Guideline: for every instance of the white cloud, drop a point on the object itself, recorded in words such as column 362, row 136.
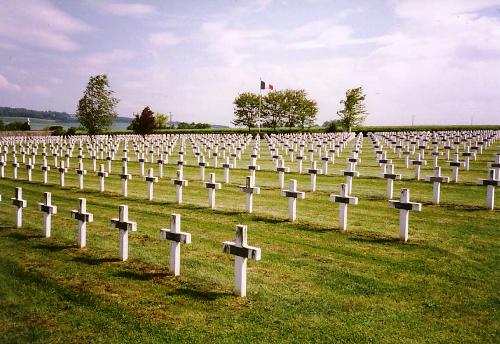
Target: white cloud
column 102, row 62
column 38, row 23
column 127, row 9
column 5, row 85
column 164, row 39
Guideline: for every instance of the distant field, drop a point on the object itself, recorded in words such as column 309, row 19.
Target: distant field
column 38, row 123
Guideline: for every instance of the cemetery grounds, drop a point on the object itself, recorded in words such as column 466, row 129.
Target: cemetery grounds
column 313, row 284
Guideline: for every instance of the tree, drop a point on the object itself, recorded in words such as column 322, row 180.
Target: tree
column 331, row 126
column 162, row 120
column 354, row 112
column 298, row 109
column 246, row 110
column 273, row 109
column 144, row 123
column 96, row 109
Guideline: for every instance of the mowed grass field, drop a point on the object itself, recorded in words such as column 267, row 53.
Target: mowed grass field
column 313, row 284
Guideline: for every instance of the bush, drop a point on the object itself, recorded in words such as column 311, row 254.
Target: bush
column 71, row 131
column 57, row 130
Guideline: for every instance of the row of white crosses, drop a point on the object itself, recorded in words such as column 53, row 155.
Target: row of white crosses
column 239, row 248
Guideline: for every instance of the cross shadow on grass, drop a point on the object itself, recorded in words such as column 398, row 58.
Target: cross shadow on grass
column 198, row 294
column 140, row 275
column 22, row 236
column 375, row 238
column 53, row 247
column 94, row 261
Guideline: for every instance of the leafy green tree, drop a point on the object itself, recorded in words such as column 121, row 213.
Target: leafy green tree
column 273, row 109
column 246, row 110
column 144, row 123
column 2, row 125
column 162, row 121
column 331, row 126
column 298, row 109
column 96, row 109
column 354, row 112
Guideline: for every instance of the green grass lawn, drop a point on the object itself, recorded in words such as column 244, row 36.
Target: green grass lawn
column 313, row 284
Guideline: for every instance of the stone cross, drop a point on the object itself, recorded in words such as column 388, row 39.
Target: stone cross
column 390, row 176
column 496, row 163
column 253, row 167
column 179, row 183
column 405, row 206
column 48, row 210
column 160, row 162
column 15, row 165
column 202, row 165
column 211, row 186
column 491, row 182
column 151, row 179
column 29, row 168
column 344, row 200
column 250, row 189
column 313, row 171
column 349, row 174
column 176, row 237
column 45, row 170
column 437, row 179
column 467, row 155
column 2, row 167
column 62, row 170
column 102, row 175
column 455, row 164
column 242, row 251
column 299, row 159
column 281, row 173
column 20, row 203
column 226, row 165
column 125, row 177
column 141, row 164
column 292, row 194
column 418, row 164
column 81, row 172
column 83, row 217
column 124, row 225
column 325, row 160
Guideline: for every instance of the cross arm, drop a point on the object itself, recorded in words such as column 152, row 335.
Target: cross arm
column 182, row 237
column 405, row 206
column 127, row 225
column 244, row 252
column 344, row 199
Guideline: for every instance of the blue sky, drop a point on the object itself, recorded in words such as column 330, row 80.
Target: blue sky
column 436, row 61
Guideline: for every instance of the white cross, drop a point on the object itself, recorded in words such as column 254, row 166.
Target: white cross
column 405, row 206
column 455, row 164
column 83, row 217
column 292, row 194
column 62, row 170
column 2, row 167
column 102, row 175
column 349, row 174
column 160, row 162
column 48, row 210
column 141, row 164
column 250, row 189
column 176, row 237
column 418, row 163
column 253, row 166
column 20, row 203
column 151, row 179
column 15, row 165
column 125, row 177
column 81, row 172
column 242, row 251
column 211, row 186
column 124, row 225
column 226, row 165
column 344, row 199
column 202, row 165
column 390, row 176
column 281, row 173
column 179, row 183
column 325, row 160
column 45, row 170
column 437, row 179
column 29, row 168
column 491, row 182
column 313, row 171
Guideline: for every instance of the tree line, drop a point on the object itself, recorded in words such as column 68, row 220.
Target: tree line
column 286, row 108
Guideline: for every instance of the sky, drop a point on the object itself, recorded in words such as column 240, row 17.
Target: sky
column 426, row 62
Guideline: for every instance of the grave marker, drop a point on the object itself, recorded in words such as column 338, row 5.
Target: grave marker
column 83, row 217
column 124, row 225
column 344, row 200
column 176, row 237
column 405, row 206
column 48, row 210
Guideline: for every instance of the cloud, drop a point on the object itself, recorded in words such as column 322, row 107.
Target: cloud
column 5, row 85
column 38, row 23
column 163, row 39
column 103, row 61
column 127, row 9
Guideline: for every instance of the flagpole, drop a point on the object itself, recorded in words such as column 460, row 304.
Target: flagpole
column 260, row 103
